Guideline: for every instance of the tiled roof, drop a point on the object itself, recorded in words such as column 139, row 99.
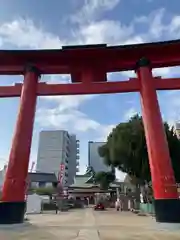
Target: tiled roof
column 80, row 179
column 83, row 181
column 82, row 185
column 127, row 179
column 42, row 177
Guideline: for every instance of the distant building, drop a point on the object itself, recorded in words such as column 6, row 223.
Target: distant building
column 42, row 180
column 177, row 129
column 2, row 176
column 73, row 162
column 58, row 152
column 94, row 159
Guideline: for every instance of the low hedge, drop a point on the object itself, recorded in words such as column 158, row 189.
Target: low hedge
column 48, row 206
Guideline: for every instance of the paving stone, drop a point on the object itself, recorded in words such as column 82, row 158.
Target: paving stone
column 87, row 224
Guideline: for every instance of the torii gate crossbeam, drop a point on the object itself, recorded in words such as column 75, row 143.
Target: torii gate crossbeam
column 132, row 85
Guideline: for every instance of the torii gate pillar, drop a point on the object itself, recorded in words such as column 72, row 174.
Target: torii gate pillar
column 12, row 205
column 167, row 204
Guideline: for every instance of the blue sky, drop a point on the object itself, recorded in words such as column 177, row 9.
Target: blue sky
column 50, row 24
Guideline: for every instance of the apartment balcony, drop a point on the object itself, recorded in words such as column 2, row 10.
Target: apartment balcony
column 77, row 169
column 77, row 157
column 77, row 163
column 77, row 151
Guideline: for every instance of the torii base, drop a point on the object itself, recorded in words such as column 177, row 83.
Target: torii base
column 12, row 212
column 167, row 210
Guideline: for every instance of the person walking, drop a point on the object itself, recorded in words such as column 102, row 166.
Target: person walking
column 117, row 204
column 57, row 208
column 121, row 204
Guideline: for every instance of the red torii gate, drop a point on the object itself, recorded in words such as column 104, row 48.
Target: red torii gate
column 88, row 66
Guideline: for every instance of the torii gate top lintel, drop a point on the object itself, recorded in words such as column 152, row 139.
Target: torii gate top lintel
column 88, row 66
column 107, row 58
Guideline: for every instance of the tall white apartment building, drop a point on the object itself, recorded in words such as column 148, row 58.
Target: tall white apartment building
column 58, row 152
column 177, row 129
column 2, row 176
column 94, row 159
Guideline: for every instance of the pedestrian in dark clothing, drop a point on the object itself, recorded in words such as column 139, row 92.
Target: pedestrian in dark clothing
column 57, row 208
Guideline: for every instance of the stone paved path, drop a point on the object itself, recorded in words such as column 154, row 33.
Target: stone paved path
column 87, row 224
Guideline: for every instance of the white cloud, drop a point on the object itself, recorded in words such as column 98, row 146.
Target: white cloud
column 130, row 113
column 104, row 131
column 92, row 9
column 71, row 119
column 170, row 104
column 3, row 161
column 56, row 78
column 157, row 28
column 68, row 102
column 175, row 23
column 105, row 31
column 24, row 34
column 154, row 20
column 133, row 39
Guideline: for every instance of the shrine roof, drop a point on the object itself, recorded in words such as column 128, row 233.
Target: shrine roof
column 42, row 177
column 82, row 185
column 80, row 180
column 106, row 58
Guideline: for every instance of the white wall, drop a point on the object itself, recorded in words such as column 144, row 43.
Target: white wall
column 33, row 204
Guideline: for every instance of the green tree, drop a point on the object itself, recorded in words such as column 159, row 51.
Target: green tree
column 104, row 179
column 126, row 149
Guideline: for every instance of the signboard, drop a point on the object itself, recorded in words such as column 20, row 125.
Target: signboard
column 61, row 173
